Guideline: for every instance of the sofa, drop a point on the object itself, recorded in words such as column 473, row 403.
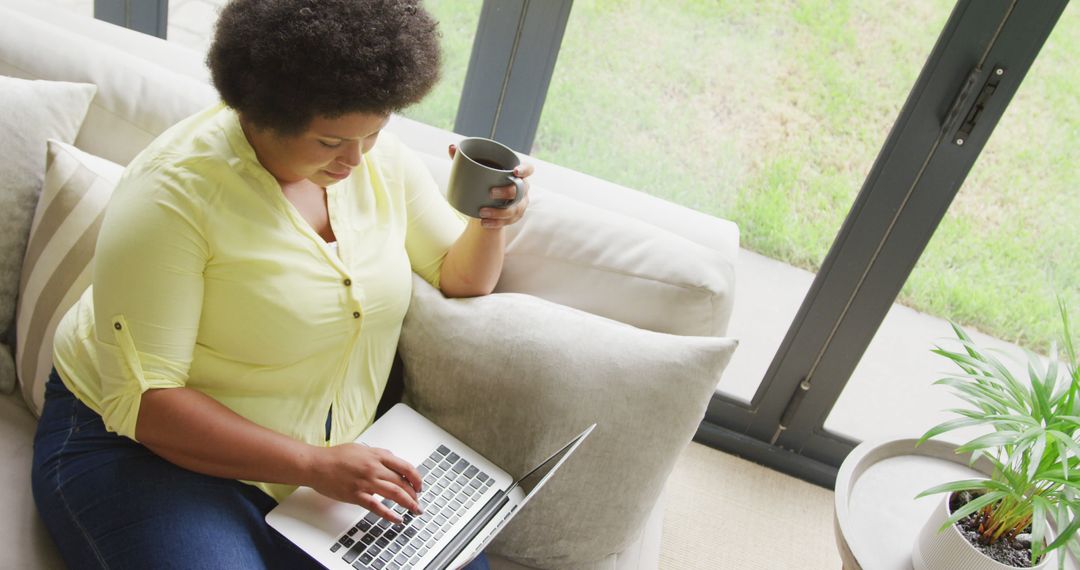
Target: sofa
column 593, row 266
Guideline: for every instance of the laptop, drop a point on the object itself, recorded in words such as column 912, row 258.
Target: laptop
column 466, row 500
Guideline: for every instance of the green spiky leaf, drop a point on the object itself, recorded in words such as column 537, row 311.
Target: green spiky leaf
column 1030, row 430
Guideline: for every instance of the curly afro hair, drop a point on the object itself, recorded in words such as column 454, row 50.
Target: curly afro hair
column 281, row 63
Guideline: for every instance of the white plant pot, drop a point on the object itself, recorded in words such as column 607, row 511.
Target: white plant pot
column 949, row 550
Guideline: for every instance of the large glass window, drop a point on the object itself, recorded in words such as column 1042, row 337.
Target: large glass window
column 1006, row 248
column 769, row 114
column 457, row 26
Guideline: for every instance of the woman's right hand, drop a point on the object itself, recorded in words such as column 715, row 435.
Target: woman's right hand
column 217, row 441
column 354, row 473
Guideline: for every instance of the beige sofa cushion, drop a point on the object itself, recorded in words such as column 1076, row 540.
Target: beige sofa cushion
column 515, row 376
column 33, row 112
column 26, row 542
column 145, row 84
column 58, row 267
column 611, row 265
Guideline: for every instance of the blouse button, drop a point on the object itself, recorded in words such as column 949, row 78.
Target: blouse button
column 348, row 282
column 356, row 314
column 117, row 326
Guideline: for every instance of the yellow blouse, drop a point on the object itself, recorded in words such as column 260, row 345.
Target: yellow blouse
column 207, row 277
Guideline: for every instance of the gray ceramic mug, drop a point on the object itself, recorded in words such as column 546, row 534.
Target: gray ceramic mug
column 479, row 165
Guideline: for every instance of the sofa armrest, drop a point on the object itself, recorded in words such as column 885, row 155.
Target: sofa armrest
column 27, row 542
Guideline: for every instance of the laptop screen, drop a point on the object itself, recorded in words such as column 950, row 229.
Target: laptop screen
column 536, row 477
column 529, row 483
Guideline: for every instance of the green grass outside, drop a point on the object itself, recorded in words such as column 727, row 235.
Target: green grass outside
column 771, row 113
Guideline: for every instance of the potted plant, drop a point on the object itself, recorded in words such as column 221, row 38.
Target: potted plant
column 1031, row 503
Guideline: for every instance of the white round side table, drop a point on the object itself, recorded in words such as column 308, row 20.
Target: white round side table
column 876, row 513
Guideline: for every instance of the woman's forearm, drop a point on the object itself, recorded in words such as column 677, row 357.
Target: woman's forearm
column 196, row 432
column 473, row 264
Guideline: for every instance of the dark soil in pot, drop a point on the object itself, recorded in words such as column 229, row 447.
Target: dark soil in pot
column 1012, row 551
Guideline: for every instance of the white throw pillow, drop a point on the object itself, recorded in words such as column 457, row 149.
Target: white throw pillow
column 33, row 112
column 59, row 257
column 614, row 266
column 515, row 377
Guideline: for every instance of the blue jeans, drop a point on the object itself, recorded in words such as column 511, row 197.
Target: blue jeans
column 110, row 502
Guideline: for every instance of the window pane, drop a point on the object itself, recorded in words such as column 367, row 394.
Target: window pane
column 457, row 24
column 769, row 114
column 1006, row 248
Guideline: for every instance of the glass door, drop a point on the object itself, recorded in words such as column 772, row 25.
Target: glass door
column 1003, row 253
column 457, row 30
column 754, row 112
column 982, row 55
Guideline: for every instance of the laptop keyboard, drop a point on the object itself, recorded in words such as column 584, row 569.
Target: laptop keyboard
column 451, row 485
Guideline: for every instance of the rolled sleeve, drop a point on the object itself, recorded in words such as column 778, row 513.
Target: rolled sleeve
column 148, row 294
column 433, row 225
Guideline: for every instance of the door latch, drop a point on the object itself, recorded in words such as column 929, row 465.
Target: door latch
column 976, row 111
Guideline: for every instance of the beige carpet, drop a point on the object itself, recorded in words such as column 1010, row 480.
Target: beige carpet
column 724, row 512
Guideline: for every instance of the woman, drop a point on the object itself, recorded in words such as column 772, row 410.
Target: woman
column 251, row 276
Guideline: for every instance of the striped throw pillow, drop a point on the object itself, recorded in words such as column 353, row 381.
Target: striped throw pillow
column 57, row 267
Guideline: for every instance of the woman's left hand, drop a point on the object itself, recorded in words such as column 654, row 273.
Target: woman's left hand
column 495, row 218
